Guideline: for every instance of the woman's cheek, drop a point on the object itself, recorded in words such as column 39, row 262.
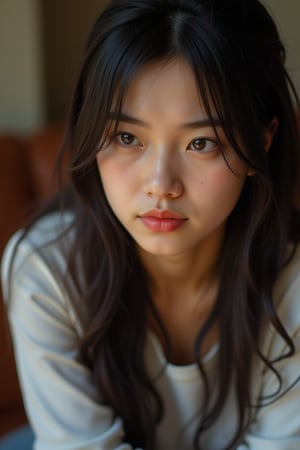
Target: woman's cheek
column 224, row 185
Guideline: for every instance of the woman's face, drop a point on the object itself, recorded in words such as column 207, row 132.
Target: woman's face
column 163, row 171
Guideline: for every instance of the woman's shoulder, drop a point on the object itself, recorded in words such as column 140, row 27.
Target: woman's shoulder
column 50, row 228
column 45, row 243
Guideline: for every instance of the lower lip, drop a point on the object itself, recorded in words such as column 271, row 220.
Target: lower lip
column 162, row 225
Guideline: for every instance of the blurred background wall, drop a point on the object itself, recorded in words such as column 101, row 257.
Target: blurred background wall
column 22, row 105
column 41, row 43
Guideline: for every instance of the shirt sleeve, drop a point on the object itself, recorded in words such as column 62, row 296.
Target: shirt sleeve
column 63, row 405
column 276, row 423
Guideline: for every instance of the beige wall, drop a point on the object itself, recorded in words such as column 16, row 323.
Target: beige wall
column 41, row 43
column 21, row 90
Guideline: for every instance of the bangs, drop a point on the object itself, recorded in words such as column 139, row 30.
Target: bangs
column 212, row 81
column 116, row 56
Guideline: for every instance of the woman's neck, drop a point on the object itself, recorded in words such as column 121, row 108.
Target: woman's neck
column 184, row 289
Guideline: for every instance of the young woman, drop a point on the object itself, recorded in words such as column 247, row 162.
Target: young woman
column 159, row 308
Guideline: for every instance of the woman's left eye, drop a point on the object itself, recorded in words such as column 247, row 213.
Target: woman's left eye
column 203, row 145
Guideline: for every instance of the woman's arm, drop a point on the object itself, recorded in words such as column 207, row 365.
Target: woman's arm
column 62, row 402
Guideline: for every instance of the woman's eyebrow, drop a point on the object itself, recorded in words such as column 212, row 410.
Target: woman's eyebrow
column 122, row 117
column 214, row 122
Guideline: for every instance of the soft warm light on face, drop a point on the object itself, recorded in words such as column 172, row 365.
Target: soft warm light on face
column 165, row 156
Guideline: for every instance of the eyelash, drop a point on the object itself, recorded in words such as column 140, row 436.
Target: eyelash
column 214, row 144
column 121, row 134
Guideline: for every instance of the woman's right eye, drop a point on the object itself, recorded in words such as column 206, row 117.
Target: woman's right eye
column 127, row 140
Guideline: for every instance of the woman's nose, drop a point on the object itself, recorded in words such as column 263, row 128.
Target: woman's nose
column 162, row 177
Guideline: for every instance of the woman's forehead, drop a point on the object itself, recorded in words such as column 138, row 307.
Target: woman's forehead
column 169, row 85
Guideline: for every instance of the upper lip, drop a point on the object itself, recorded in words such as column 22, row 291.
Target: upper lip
column 162, row 214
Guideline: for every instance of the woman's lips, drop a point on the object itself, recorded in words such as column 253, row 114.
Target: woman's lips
column 162, row 221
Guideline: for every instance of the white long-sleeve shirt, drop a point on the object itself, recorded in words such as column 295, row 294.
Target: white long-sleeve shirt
column 63, row 404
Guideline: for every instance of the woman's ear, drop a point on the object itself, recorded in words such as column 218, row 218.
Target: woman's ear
column 269, row 133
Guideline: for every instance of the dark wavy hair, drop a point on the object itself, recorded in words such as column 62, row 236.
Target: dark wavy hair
column 235, row 52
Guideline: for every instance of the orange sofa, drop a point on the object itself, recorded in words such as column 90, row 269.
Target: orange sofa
column 26, row 181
